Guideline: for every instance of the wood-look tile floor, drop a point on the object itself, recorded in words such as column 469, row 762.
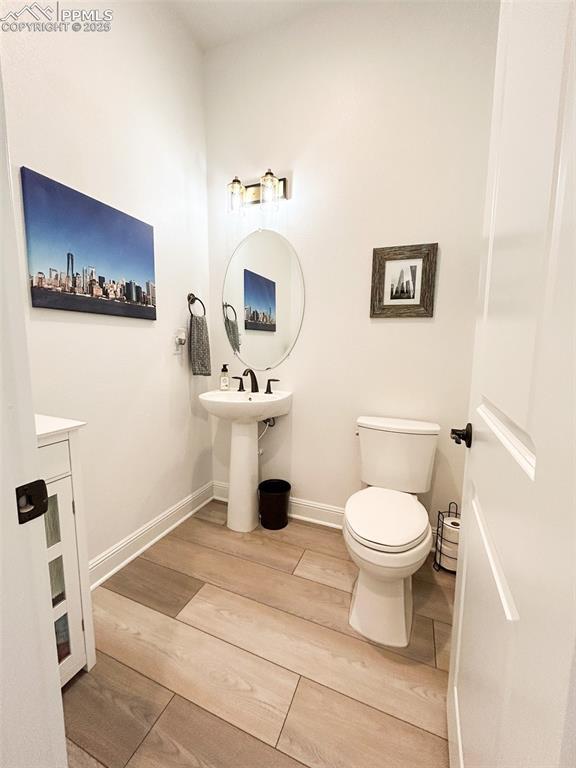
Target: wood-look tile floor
column 219, row 649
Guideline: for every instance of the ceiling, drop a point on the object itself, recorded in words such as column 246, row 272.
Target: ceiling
column 217, row 22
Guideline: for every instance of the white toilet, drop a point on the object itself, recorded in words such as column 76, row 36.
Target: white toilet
column 386, row 529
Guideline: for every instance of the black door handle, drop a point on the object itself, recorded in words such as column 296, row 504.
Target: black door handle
column 462, row 435
column 32, row 501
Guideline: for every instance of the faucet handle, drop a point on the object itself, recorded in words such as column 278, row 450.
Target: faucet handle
column 241, row 383
column 269, row 386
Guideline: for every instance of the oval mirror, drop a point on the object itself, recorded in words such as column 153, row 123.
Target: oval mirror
column 263, row 299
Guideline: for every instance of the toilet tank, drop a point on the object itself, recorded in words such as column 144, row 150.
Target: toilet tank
column 397, row 453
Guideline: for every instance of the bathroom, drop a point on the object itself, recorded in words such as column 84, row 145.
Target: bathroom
column 205, row 637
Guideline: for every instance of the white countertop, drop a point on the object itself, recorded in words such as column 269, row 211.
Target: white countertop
column 47, row 426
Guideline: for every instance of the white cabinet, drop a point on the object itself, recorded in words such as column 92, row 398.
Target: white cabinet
column 66, row 555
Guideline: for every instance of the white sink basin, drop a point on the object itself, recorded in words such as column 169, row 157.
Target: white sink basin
column 244, row 410
column 246, row 407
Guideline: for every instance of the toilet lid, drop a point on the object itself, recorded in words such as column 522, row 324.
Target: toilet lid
column 390, row 521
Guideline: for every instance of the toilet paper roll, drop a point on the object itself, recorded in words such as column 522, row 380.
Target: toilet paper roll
column 451, row 529
column 447, row 563
column 450, row 549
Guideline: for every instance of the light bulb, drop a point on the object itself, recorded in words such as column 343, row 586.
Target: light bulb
column 235, row 195
column 269, row 190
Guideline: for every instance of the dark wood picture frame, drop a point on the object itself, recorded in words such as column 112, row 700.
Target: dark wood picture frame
column 382, row 256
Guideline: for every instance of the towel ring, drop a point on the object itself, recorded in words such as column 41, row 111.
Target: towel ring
column 191, row 300
column 227, row 306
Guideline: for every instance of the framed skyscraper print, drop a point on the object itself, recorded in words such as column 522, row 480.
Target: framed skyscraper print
column 403, row 280
column 86, row 256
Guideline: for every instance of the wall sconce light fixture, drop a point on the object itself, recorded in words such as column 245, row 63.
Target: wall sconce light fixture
column 236, row 192
column 268, row 191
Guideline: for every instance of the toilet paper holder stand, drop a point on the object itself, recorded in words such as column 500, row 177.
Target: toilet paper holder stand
column 440, row 553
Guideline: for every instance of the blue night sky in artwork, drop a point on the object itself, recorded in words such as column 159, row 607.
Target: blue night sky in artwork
column 60, row 220
column 259, row 292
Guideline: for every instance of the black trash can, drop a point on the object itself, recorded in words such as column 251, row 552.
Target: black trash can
column 273, row 498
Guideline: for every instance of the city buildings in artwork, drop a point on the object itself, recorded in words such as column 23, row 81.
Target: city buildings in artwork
column 256, row 316
column 405, row 287
column 87, row 282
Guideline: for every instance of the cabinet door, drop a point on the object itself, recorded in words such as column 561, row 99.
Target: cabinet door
column 62, row 557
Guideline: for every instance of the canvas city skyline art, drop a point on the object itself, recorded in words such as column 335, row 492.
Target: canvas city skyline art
column 84, row 255
column 259, row 302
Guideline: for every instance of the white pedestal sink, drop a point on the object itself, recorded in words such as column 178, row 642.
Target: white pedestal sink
column 244, row 410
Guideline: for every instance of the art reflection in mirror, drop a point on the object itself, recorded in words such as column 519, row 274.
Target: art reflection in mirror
column 263, row 299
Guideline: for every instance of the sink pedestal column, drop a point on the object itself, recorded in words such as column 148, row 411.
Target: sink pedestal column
column 243, row 489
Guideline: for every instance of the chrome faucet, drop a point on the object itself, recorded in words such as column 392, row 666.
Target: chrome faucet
column 253, row 379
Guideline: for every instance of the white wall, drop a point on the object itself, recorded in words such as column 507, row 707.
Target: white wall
column 119, row 116
column 380, row 113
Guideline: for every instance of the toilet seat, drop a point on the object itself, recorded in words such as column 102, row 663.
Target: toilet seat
column 386, row 520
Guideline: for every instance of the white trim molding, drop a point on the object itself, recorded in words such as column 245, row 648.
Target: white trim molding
column 455, row 732
column 120, row 554
column 315, row 512
column 220, row 491
column 117, row 556
column 300, row 509
column 518, row 445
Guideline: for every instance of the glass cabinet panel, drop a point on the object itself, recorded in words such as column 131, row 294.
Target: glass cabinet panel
column 62, row 637
column 52, row 522
column 56, row 567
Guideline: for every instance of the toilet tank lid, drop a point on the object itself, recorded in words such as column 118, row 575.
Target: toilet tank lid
column 407, row 426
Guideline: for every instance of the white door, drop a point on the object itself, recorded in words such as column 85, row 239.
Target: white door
column 31, row 720
column 514, row 632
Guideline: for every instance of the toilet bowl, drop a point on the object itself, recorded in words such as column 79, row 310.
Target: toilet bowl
column 386, row 529
column 388, row 536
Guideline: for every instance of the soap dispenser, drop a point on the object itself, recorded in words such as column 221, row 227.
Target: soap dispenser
column 224, row 378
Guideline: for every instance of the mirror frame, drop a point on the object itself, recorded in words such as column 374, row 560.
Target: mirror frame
column 222, row 302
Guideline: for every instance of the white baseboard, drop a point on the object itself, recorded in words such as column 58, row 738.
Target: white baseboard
column 107, row 563
column 300, row 509
column 220, row 491
column 315, row 512
column 117, row 556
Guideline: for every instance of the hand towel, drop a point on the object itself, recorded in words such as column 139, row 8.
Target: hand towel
column 231, row 326
column 199, row 346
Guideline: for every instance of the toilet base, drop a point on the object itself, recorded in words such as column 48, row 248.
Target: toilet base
column 381, row 610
